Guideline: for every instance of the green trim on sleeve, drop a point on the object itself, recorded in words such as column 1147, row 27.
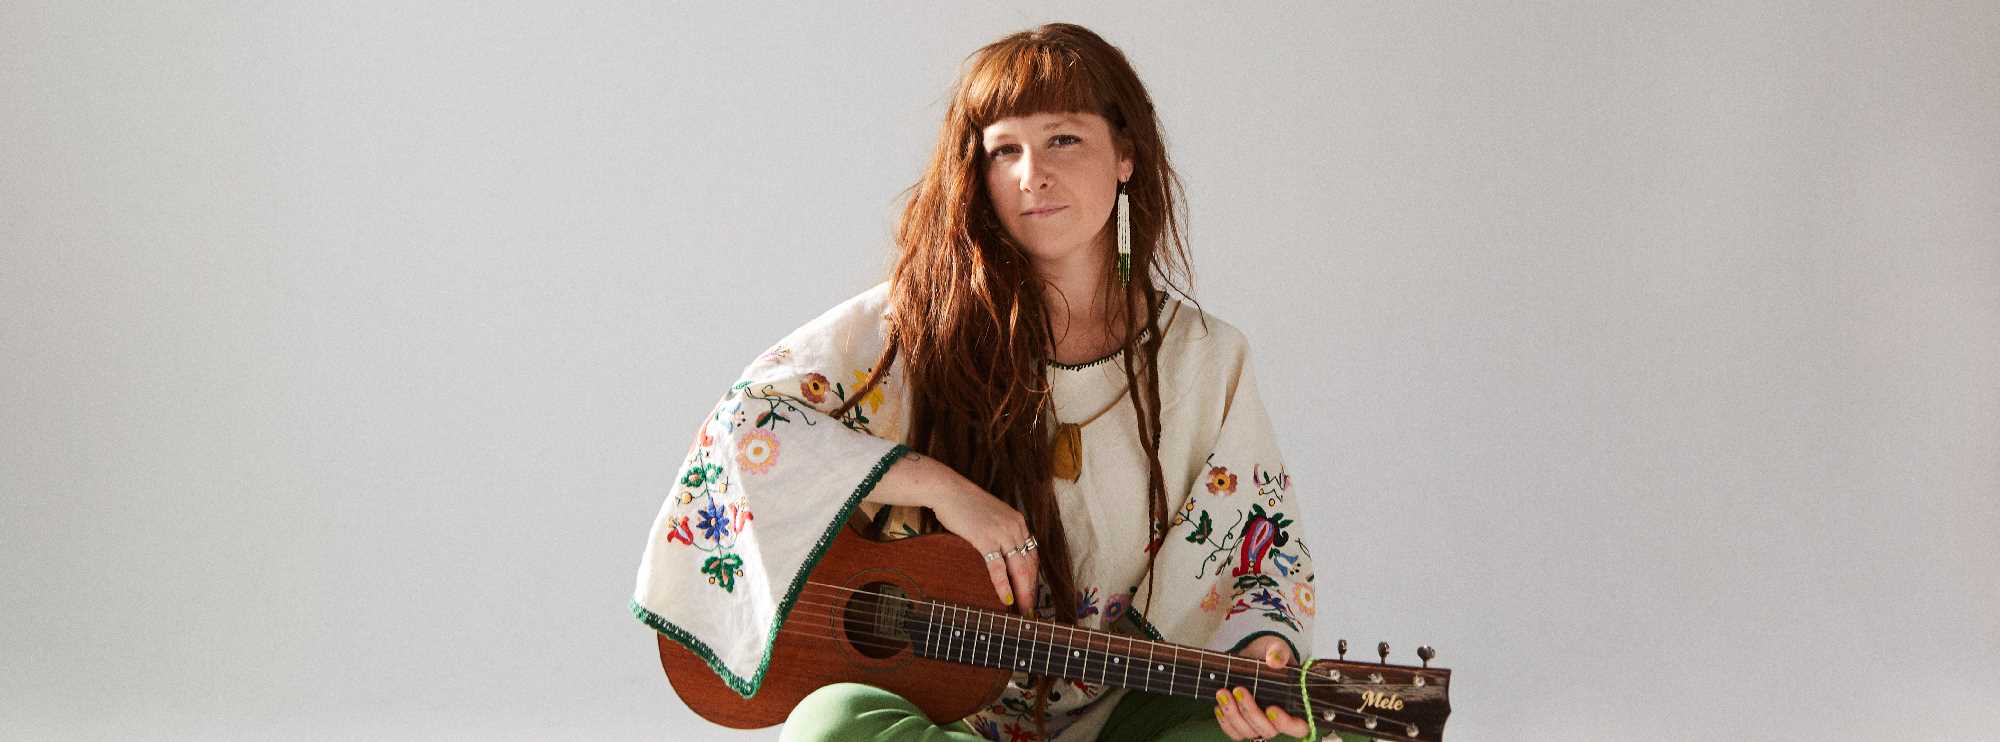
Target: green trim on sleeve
column 748, row 688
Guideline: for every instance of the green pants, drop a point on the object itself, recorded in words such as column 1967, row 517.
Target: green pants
column 852, row 711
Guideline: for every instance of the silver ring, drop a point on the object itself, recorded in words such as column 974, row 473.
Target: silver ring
column 992, row 555
column 1030, row 545
column 1018, row 550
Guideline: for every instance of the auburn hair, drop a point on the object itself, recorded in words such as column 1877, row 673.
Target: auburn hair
column 969, row 316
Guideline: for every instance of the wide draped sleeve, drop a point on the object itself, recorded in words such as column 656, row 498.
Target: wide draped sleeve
column 1233, row 565
column 767, row 480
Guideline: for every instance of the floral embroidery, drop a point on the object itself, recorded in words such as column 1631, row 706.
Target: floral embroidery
column 723, row 570
column 713, row 522
column 874, row 397
column 987, row 728
column 1086, row 602
column 1221, row 482
column 1018, row 733
column 1240, row 553
column 1260, row 534
column 814, row 388
column 757, row 451
column 1115, row 606
column 1211, row 600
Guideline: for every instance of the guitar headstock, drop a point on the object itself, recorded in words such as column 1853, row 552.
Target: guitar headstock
column 1378, row 699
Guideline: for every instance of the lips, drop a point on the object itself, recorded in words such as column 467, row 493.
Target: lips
column 1044, row 211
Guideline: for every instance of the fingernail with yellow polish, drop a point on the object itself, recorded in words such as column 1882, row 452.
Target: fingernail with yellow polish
column 1007, row 597
column 1222, row 696
column 1242, row 694
column 1272, row 713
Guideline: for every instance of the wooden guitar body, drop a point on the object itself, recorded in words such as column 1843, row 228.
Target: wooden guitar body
column 827, row 638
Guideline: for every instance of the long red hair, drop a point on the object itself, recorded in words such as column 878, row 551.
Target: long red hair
column 968, row 314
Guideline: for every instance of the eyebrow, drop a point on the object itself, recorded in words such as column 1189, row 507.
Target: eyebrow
column 1053, row 125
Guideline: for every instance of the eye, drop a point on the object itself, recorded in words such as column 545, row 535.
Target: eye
column 1061, row 137
column 1008, row 149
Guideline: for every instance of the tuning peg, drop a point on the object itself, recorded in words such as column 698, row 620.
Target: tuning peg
column 1383, row 649
column 1427, row 654
column 1343, row 650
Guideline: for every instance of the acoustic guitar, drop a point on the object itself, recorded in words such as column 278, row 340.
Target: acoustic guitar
column 918, row 617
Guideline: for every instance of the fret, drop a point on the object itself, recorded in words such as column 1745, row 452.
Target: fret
column 1104, row 660
column 1197, row 674
column 1049, row 659
column 1083, row 675
column 1149, row 667
column 963, row 637
column 930, row 634
column 1127, row 682
column 1014, row 643
column 985, row 649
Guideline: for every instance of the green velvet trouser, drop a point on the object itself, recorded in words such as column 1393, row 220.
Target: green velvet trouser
column 852, row 711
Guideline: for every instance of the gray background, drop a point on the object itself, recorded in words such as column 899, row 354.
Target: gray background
column 1640, row 358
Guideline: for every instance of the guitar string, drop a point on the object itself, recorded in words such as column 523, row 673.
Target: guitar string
column 836, row 611
column 1227, row 659
column 836, row 636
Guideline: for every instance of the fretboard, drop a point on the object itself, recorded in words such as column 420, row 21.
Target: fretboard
column 955, row 634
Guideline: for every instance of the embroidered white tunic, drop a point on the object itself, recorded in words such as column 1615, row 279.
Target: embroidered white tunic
column 770, row 475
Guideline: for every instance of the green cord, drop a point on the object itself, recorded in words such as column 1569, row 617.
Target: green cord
column 1305, row 697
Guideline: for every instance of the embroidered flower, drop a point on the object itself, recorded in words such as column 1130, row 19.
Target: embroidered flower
column 713, row 522
column 814, row 388
column 1114, row 608
column 722, row 571
column 1086, row 602
column 1302, row 596
column 757, row 451
column 874, row 396
column 1210, row 601
column 699, row 475
column 1221, row 482
column 678, row 531
column 1018, row 733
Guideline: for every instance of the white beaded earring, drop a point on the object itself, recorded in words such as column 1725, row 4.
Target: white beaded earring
column 1124, row 237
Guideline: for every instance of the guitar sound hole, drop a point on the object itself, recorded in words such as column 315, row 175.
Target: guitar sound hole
column 873, row 620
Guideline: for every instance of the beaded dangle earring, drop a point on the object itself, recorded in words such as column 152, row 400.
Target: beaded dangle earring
column 1124, row 237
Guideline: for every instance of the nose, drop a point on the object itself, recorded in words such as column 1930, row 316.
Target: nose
column 1033, row 176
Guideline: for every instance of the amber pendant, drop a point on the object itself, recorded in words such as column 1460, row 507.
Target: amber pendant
column 1066, row 456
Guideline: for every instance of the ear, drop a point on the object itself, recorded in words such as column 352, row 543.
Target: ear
column 1125, row 161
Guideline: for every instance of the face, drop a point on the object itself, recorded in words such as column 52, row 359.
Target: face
column 1053, row 178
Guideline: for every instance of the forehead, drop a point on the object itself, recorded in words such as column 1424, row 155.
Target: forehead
column 1037, row 122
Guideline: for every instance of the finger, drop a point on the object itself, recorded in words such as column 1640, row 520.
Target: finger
column 1278, row 655
column 997, row 569
column 1226, row 715
column 1287, row 723
column 1021, row 567
column 1253, row 715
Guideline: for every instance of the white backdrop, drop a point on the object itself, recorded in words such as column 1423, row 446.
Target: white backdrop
column 1640, row 357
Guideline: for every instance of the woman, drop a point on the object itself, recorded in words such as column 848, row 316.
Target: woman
column 1022, row 382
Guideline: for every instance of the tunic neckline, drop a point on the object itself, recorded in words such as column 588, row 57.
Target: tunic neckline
column 1144, row 333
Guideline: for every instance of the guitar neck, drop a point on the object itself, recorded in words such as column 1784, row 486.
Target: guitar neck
column 985, row 639
column 1378, row 700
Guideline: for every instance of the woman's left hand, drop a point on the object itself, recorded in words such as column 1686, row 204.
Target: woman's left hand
column 1238, row 712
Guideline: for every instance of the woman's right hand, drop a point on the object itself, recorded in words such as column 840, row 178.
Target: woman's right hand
column 973, row 514
column 993, row 527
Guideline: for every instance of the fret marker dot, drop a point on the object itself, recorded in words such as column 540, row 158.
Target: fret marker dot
column 954, row 633
column 1161, row 667
column 1114, row 660
column 1074, row 653
column 1211, row 676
